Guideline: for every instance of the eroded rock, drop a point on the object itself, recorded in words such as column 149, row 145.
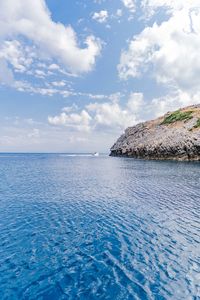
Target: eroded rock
column 174, row 136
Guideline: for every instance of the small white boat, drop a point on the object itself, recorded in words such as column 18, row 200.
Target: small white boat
column 96, row 154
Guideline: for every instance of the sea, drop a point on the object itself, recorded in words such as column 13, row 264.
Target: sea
column 80, row 227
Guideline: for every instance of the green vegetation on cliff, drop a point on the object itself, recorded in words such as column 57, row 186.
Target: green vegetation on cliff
column 177, row 116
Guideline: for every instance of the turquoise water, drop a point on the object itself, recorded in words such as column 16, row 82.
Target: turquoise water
column 98, row 228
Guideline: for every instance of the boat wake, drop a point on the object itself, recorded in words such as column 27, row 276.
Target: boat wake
column 96, row 154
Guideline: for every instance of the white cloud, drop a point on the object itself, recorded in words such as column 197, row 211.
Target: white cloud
column 61, row 83
column 16, row 55
column 100, row 16
column 117, row 117
column 170, row 102
column 40, row 74
column 135, row 102
column 68, row 109
column 54, row 67
column 77, row 121
column 169, row 51
column 62, row 87
column 23, row 86
column 130, row 4
column 32, row 20
column 110, row 115
column 150, row 7
column 98, row 116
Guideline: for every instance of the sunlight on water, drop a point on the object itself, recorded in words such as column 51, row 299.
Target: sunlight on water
column 98, row 228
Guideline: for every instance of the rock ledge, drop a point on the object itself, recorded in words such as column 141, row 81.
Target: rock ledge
column 175, row 136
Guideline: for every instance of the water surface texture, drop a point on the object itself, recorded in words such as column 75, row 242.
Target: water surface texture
column 98, row 228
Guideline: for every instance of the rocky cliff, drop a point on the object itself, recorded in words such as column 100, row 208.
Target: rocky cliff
column 175, row 136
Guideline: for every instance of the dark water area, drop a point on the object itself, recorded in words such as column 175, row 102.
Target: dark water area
column 84, row 227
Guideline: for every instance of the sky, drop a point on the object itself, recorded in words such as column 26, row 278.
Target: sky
column 75, row 74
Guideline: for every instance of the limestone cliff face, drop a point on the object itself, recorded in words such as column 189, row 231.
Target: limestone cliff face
column 175, row 136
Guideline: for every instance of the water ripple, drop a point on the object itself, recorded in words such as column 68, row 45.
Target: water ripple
column 79, row 228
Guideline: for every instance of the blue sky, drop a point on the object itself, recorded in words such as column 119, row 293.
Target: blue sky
column 75, row 74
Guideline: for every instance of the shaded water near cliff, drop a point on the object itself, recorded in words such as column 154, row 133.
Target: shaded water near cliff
column 98, row 228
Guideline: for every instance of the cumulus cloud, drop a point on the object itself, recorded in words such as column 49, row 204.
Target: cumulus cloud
column 172, row 101
column 111, row 116
column 98, row 116
column 100, row 16
column 77, row 121
column 169, row 51
column 32, row 20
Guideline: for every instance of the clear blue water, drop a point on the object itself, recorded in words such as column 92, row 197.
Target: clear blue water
column 98, row 228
